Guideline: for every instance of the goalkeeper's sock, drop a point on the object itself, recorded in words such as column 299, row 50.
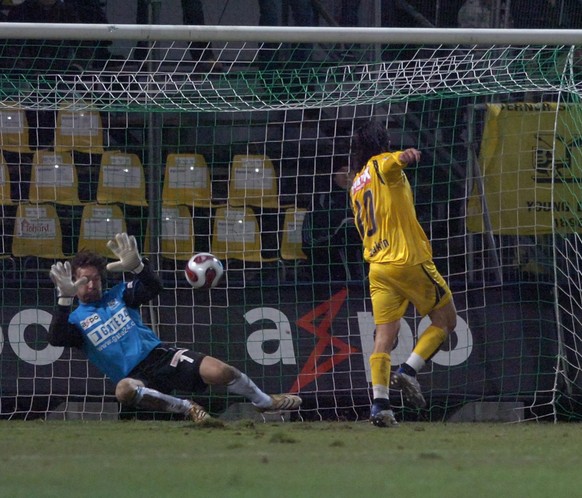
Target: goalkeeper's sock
column 244, row 386
column 380, row 373
column 150, row 399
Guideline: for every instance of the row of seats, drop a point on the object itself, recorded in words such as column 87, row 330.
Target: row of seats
column 76, row 128
column 121, row 179
column 235, row 233
column 53, row 178
column 253, row 179
column 253, row 182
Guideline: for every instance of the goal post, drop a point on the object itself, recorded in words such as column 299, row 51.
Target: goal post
column 496, row 113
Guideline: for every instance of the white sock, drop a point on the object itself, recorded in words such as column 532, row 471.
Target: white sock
column 380, row 392
column 150, row 399
column 416, row 362
column 244, row 386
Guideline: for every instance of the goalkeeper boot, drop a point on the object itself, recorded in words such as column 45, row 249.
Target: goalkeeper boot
column 283, row 403
column 410, row 388
column 381, row 415
column 197, row 414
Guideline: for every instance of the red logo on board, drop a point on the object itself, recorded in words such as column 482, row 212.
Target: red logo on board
column 341, row 350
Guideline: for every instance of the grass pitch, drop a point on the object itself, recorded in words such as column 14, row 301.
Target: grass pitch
column 301, row 459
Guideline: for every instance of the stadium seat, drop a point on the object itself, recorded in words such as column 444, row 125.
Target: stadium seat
column 291, row 237
column 54, row 178
column 99, row 224
column 7, row 211
column 5, row 196
column 291, row 252
column 253, row 182
column 37, row 232
column 80, row 130
column 236, row 236
column 14, row 131
column 177, row 234
column 121, row 180
column 187, row 181
column 8, row 267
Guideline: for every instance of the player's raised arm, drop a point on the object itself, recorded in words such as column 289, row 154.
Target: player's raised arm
column 125, row 248
column 410, row 156
column 146, row 284
column 62, row 276
column 61, row 332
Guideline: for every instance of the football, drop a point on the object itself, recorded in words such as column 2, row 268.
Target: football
column 203, row 271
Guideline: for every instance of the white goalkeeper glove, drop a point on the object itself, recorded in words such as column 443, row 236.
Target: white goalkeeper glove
column 125, row 248
column 62, row 276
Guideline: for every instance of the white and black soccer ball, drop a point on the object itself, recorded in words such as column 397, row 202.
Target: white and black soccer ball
column 203, row 270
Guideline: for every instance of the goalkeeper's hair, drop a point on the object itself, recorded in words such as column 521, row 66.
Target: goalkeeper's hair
column 86, row 258
column 369, row 140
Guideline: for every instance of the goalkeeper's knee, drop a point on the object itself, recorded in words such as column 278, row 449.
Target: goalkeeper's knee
column 126, row 390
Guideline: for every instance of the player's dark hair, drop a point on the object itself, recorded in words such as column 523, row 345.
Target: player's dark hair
column 86, row 258
column 369, row 140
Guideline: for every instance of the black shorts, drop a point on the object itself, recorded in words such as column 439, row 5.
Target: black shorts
column 171, row 369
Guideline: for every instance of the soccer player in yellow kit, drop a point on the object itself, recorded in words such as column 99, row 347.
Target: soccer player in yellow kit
column 401, row 267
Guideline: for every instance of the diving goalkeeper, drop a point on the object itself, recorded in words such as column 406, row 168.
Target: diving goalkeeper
column 107, row 326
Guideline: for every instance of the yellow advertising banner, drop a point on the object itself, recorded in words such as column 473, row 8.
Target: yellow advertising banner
column 530, row 165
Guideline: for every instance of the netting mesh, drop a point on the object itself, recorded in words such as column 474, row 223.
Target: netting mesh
column 296, row 317
column 405, row 74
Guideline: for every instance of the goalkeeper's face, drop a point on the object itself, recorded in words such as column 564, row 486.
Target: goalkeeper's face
column 92, row 290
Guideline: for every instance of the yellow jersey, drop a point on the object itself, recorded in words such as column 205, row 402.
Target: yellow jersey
column 385, row 215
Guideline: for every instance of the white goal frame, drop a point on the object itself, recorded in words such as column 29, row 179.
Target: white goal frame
column 428, row 37
column 446, row 36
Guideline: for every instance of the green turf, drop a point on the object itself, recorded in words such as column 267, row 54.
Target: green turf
column 317, row 459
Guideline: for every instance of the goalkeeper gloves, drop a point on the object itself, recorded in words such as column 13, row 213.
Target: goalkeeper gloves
column 125, row 248
column 62, row 276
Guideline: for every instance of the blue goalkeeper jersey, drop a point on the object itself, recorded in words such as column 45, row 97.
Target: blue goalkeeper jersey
column 115, row 338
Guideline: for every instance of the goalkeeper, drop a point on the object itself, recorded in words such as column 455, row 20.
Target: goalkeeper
column 107, row 326
column 401, row 267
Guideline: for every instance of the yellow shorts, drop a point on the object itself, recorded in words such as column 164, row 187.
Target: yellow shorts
column 392, row 288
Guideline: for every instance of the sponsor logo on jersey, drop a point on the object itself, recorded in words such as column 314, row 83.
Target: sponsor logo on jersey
column 362, row 180
column 90, row 320
column 112, row 330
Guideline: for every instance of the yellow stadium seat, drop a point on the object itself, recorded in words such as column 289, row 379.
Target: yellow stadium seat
column 54, row 178
column 187, row 181
column 99, row 224
column 5, row 200
column 291, row 252
column 37, row 232
column 121, row 179
column 7, row 211
column 80, row 130
column 253, row 182
column 291, row 238
column 236, row 235
column 5, row 195
column 14, row 130
column 177, row 234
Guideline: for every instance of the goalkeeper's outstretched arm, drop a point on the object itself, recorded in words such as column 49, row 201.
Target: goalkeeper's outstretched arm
column 146, row 283
column 144, row 287
column 61, row 332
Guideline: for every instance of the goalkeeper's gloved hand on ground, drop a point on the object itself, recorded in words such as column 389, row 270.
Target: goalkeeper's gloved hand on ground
column 62, row 276
column 125, row 248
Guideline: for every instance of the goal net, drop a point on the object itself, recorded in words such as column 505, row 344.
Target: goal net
column 238, row 154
